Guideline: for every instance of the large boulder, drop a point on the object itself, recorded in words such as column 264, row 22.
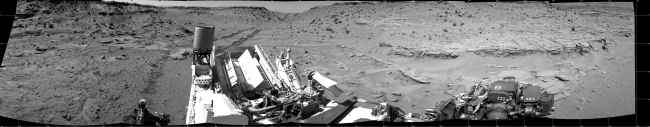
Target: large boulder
column 413, row 74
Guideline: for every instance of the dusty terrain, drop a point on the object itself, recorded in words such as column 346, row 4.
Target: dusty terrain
column 89, row 62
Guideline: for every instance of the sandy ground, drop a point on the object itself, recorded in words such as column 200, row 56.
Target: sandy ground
column 89, row 62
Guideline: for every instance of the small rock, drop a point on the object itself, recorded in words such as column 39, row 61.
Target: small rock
column 563, row 78
column 123, row 57
column 42, row 48
column 579, row 108
column 381, row 99
column 397, row 93
column 582, row 73
column 177, row 56
column 512, row 66
column 393, row 99
column 359, row 54
column 105, row 41
column 362, row 72
column 67, row 117
column 384, row 44
column 19, row 54
column 342, row 65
